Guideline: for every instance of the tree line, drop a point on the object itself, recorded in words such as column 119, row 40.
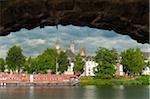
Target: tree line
column 50, row 61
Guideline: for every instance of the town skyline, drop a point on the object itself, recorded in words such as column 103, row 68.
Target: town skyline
column 38, row 39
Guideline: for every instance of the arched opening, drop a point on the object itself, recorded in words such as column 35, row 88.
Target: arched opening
column 35, row 25
column 129, row 17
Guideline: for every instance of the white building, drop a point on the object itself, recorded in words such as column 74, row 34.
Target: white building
column 70, row 70
column 119, row 70
column 70, row 52
column 90, row 64
column 146, row 71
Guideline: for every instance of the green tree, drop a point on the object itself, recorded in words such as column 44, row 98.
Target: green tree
column 63, row 62
column 47, row 60
column 133, row 60
column 2, row 65
column 30, row 65
column 15, row 59
column 115, row 53
column 79, row 65
column 106, row 60
column 147, row 63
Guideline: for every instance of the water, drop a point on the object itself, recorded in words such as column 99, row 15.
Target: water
column 77, row 92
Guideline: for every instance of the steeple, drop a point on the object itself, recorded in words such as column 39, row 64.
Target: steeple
column 57, row 45
column 82, row 52
column 72, row 46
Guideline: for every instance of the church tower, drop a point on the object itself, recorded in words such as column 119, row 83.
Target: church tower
column 72, row 46
column 82, row 52
column 57, row 46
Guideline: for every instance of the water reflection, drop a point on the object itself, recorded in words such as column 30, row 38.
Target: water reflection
column 75, row 92
column 31, row 92
column 119, row 92
column 90, row 93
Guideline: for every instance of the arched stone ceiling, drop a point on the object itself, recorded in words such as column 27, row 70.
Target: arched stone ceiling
column 127, row 17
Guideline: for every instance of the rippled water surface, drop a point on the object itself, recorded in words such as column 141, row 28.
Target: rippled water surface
column 75, row 92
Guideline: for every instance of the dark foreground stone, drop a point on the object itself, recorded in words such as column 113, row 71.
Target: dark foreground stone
column 127, row 17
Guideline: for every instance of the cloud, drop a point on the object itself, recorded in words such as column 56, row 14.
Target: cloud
column 35, row 41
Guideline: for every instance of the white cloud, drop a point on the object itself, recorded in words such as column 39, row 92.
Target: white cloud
column 3, row 53
column 35, row 42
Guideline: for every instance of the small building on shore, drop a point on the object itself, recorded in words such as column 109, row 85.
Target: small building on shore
column 146, row 71
column 119, row 70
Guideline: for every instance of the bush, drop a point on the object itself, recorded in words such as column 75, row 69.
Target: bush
column 86, row 78
column 98, row 82
column 144, row 80
column 125, row 82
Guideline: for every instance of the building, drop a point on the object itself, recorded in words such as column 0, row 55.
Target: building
column 119, row 67
column 70, row 52
column 72, row 46
column 90, row 64
column 71, row 57
column 82, row 52
column 146, row 56
column 119, row 70
column 146, row 71
column 57, row 46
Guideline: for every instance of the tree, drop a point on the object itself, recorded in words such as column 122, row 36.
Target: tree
column 115, row 53
column 47, row 60
column 63, row 62
column 133, row 60
column 30, row 65
column 147, row 63
column 106, row 60
column 15, row 59
column 79, row 65
column 2, row 65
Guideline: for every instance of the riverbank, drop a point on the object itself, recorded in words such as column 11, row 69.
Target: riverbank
column 38, row 84
column 127, row 81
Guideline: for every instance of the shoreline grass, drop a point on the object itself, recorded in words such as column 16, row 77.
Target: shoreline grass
column 141, row 80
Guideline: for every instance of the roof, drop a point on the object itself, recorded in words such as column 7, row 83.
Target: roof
column 89, row 58
column 70, row 54
column 146, row 55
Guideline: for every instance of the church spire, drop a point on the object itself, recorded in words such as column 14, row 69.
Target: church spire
column 72, row 46
column 57, row 45
column 82, row 52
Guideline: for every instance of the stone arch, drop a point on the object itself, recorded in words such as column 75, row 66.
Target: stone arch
column 127, row 17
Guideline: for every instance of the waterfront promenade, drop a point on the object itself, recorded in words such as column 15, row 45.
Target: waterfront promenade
column 37, row 79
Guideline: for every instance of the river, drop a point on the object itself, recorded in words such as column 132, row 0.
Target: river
column 75, row 92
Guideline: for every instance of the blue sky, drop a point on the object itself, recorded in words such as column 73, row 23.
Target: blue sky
column 35, row 41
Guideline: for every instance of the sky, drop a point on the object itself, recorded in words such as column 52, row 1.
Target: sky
column 35, row 41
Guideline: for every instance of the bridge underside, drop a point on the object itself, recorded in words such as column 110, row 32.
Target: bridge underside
column 127, row 17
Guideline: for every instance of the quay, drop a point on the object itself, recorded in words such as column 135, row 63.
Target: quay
column 38, row 80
